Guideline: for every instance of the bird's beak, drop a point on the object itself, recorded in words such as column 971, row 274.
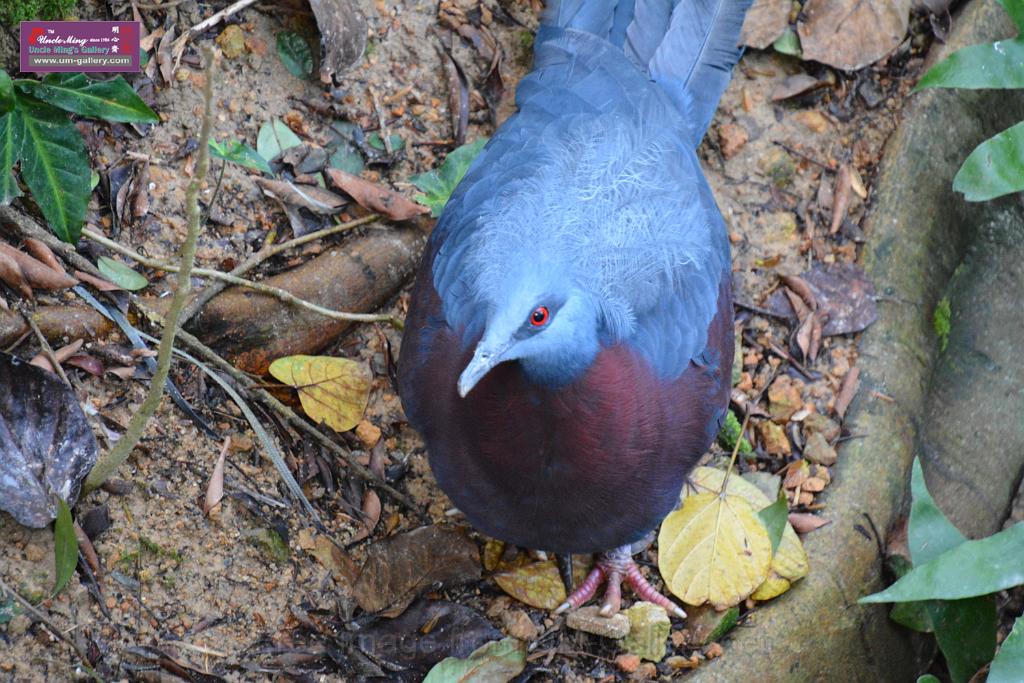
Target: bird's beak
column 485, row 358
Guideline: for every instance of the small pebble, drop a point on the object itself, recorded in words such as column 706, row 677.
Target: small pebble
column 588, row 620
column 627, row 663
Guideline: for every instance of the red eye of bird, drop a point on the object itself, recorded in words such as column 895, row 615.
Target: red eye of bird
column 539, row 316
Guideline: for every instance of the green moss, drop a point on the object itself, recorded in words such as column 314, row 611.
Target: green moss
column 942, row 321
column 730, row 432
column 13, row 11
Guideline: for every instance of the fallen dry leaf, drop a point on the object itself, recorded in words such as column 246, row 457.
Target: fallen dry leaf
column 37, row 273
column 43, row 253
column 41, row 360
column 215, row 487
column 794, row 85
column 311, row 197
column 11, row 274
column 397, row 568
column 539, row 584
column 844, row 294
column 803, row 522
column 841, row 197
column 371, row 515
column 765, row 22
column 851, row 34
column 847, row 391
column 332, row 390
column 98, row 282
column 374, row 197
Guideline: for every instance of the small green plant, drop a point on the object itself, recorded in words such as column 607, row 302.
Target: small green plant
column 942, row 320
column 438, row 185
column 947, row 589
column 14, row 11
column 730, row 432
column 996, row 166
column 35, row 130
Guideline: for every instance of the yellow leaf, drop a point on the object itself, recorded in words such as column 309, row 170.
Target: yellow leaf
column 332, row 390
column 538, row 584
column 714, row 549
column 773, row 587
column 789, row 563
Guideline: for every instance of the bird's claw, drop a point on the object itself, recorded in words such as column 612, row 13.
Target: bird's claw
column 613, row 568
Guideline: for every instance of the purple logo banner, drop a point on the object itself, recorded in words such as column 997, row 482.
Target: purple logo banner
column 95, row 46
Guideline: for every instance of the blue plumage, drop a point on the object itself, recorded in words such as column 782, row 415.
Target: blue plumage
column 579, row 274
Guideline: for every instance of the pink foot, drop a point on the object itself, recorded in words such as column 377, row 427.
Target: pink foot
column 613, row 568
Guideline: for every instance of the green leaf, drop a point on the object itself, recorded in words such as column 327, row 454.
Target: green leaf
column 377, row 142
column 1008, row 666
column 9, row 610
column 775, row 517
column 65, row 551
column 239, row 153
column 913, row 615
column 972, row 568
column 994, row 168
column 788, row 43
column 990, row 65
column 966, row 633
column 495, row 662
column 295, row 54
column 112, row 100
column 54, row 165
column 6, row 92
column 1015, row 8
column 275, row 137
column 120, row 274
column 439, row 184
column 929, row 533
column 10, row 145
column 965, row 629
column 347, row 159
column 928, row 678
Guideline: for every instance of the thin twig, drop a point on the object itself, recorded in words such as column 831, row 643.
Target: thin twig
column 47, row 349
column 248, row 386
column 277, row 292
column 113, row 458
column 51, row 627
column 158, row 6
column 268, row 250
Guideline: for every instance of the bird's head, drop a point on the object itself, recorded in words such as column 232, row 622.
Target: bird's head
column 543, row 323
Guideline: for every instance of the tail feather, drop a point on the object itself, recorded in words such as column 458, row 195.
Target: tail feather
column 694, row 60
column 688, row 47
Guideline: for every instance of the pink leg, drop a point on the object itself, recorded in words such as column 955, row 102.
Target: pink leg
column 613, row 567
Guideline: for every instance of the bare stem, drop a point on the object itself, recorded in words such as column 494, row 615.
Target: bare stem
column 117, row 455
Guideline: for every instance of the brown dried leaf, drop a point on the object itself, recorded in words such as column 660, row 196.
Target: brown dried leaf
column 371, row 515
column 794, row 85
column 374, row 197
column 37, row 273
column 841, row 197
column 398, row 568
column 850, row 34
column 311, row 197
column 765, row 22
column 333, row 559
column 803, row 522
column 845, row 297
column 458, row 98
column 846, row 393
column 801, row 289
column 41, row 360
column 43, row 253
column 10, row 273
column 98, row 282
column 83, row 361
column 215, row 487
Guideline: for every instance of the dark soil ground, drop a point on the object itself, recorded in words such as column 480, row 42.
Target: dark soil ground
column 242, row 594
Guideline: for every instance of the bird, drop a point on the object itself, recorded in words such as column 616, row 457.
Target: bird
column 568, row 345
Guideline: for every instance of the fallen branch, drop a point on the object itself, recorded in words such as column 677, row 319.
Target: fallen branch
column 115, row 457
column 276, row 292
